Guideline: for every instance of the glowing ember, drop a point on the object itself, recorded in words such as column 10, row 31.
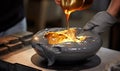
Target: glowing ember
column 36, row 38
column 64, row 36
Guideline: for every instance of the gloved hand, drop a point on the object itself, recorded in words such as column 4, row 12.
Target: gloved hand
column 101, row 22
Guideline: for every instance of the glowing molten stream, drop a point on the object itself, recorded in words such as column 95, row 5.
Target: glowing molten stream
column 64, row 36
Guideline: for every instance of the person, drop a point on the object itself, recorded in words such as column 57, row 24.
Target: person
column 12, row 18
column 103, row 20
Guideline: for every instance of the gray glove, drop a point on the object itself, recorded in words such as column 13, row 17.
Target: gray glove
column 101, row 22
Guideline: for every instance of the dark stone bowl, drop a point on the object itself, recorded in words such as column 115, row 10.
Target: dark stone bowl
column 68, row 51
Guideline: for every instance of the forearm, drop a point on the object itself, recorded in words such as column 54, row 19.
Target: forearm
column 114, row 8
column 57, row 2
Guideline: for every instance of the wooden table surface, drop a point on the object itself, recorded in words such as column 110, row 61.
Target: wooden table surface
column 23, row 56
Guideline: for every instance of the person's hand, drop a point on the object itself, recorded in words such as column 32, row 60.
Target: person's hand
column 105, row 19
column 57, row 2
column 100, row 22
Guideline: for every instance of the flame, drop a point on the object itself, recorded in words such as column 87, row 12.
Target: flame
column 64, row 36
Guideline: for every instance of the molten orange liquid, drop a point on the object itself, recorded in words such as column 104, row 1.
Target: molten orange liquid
column 64, row 36
column 68, row 35
column 70, row 6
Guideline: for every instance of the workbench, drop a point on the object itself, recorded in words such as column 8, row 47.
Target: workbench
column 102, row 60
